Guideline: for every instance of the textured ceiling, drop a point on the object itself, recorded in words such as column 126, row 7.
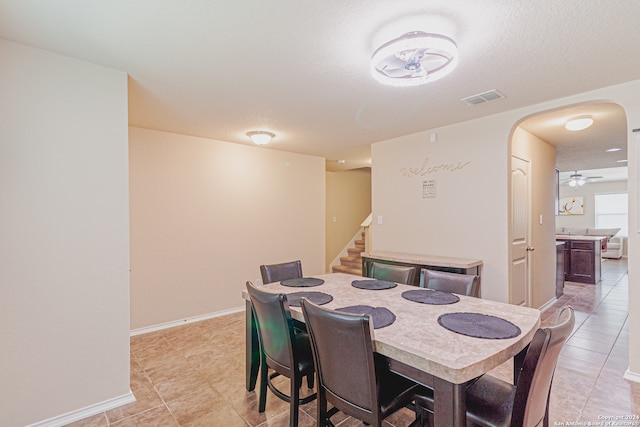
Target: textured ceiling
column 221, row 68
column 585, row 150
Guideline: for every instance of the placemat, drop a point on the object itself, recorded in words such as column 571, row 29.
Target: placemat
column 479, row 325
column 319, row 298
column 427, row 296
column 381, row 316
column 373, row 285
column 302, row 282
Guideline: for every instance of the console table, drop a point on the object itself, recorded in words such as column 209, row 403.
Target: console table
column 432, row 262
column 582, row 258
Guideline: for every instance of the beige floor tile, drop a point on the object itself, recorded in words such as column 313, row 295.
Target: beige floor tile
column 156, row 417
column 203, row 404
column 146, row 398
column 99, row 420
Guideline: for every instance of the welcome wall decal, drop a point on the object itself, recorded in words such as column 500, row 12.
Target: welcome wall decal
column 426, row 168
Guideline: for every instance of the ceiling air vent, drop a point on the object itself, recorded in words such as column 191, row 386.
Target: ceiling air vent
column 490, row 95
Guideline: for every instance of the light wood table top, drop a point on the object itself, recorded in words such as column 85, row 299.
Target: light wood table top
column 416, row 338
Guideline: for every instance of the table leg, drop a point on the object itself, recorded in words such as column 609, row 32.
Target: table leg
column 449, row 404
column 252, row 348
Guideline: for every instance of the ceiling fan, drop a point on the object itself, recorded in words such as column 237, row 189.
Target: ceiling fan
column 576, row 179
column 413, row 59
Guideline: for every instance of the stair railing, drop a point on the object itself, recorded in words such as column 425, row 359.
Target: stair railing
column 366, row 226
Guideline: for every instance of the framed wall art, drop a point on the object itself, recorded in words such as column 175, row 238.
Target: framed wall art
column 572, row 205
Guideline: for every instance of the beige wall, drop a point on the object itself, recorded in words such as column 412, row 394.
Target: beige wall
column 206, row 214
column 348, row 204
column 542, row 261
column 469, row 216
column 64, row 245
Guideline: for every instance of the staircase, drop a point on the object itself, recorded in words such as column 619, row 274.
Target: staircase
column 352, row 264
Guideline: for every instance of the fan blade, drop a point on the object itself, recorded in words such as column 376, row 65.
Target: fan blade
column 431, row 61
column 397, row 72
column 391, row 62
column 393, row 67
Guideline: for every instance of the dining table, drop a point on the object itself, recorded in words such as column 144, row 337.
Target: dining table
column 440, row 340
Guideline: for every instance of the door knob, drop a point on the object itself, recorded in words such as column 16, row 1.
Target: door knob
column 530, row 248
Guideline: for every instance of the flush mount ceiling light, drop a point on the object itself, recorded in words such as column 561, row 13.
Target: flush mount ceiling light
column 260, row 137
column 579, row 123
column 413, row 59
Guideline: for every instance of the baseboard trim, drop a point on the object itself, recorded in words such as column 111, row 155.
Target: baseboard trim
column 88, row 411
column 631, row 376
column 174, row 323
column 548, row 304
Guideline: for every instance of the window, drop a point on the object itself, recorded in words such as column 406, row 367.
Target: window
column 611, row 212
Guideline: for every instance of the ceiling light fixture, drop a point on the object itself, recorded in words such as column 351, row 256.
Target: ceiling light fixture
column 575, row 182
column 413, row 59
column 612, row 150
column 260, row 137
column 579, row 123
column 577, row 179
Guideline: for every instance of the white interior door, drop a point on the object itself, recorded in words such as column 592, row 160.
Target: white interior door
column 520, row 218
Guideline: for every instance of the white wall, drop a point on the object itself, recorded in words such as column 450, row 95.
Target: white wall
column 469, row 216
column 634, row 240
column 64, row 239
column 206, row 214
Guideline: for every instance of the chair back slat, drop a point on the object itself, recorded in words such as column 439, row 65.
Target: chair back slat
column 392, row 273
column 278, row 272
column 535, row 378
column 343, row 353
column 274, row 325
column 463, row 284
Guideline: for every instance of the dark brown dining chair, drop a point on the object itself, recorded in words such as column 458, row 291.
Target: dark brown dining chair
column 350, row 376
column 278, row 272
column 496, row 403
column 392, row 273
column 283, row 348
column 463, row 284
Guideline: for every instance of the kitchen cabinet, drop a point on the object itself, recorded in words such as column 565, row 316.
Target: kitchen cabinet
column 583, row 258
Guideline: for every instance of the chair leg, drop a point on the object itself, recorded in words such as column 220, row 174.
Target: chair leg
column 310, row 380
column 321, row 410
column 424, row 418
column 295, row 401
column 264, row 379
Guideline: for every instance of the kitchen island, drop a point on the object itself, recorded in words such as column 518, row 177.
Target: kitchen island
column 582, row 257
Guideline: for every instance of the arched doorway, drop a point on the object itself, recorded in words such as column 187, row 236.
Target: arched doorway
column 542, row 141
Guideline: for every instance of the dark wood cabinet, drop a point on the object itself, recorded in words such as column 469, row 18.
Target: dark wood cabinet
column 582, row 260
column 560, row 257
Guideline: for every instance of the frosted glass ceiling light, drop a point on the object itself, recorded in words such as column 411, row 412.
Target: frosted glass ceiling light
column 260, row 137
column 579, row 123
column 413, row 59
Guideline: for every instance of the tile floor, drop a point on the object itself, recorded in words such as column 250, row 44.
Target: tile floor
column 193, row 375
